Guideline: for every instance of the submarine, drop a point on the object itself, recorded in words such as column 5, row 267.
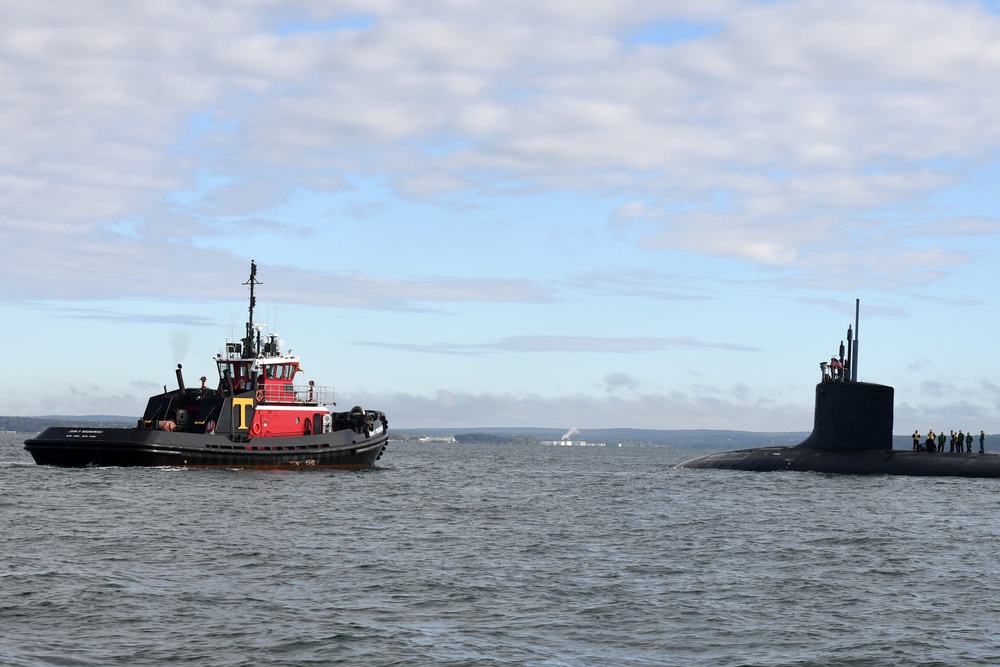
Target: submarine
column 852, row 434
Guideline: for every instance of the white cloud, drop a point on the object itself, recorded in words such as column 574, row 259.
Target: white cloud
column 621, row 381
column 567, row 344
column 765, row 139
column 164, row 270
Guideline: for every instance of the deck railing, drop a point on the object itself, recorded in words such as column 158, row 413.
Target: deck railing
column 299, row 394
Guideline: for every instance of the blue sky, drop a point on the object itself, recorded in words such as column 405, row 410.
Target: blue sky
column 628, row 214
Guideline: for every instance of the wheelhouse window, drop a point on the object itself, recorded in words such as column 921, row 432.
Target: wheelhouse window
column 239, row 372
column 279, row 371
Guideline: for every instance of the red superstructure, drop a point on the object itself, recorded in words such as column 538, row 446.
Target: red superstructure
column 257, row 364
column 282, row 407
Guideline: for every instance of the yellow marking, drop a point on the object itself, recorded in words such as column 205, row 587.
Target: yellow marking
column 243, row 403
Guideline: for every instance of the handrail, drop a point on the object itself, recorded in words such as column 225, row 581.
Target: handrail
column 286, row 394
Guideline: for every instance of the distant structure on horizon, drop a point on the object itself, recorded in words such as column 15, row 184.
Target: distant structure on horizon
column 438, row 438
column 573, row 443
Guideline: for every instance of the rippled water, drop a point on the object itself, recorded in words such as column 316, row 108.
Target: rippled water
column 462, row 555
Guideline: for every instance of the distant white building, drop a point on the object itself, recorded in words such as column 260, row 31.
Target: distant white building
column 573, row 443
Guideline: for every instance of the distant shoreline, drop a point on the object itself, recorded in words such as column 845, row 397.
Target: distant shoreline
column 611, row 437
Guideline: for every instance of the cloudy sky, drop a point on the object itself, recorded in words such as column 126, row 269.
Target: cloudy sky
column 565, row 214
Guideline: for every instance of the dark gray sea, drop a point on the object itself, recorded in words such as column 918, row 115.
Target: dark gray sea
column 494, row 555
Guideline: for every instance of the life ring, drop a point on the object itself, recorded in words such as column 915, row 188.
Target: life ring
column 260, row 395
column 210, row 426
column 255, row 429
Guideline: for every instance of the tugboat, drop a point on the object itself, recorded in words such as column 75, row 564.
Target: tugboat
column 852, row 434
column 256, row 417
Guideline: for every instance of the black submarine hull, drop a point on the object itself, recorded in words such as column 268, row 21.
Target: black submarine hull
column 873, row 462
column 852, row 435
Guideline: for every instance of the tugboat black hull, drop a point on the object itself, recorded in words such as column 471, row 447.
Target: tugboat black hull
column 892, row 462
column 80, row 447
column 256, row 417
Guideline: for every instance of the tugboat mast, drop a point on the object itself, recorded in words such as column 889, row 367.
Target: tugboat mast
column 250, row 346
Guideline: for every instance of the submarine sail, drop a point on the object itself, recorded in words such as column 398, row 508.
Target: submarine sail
column 852, row 434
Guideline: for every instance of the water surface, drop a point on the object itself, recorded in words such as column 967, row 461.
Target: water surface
column 465, row 555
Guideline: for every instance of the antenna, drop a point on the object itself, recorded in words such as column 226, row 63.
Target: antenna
column 248, row 342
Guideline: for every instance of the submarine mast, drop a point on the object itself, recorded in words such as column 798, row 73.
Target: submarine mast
column 854, row 361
